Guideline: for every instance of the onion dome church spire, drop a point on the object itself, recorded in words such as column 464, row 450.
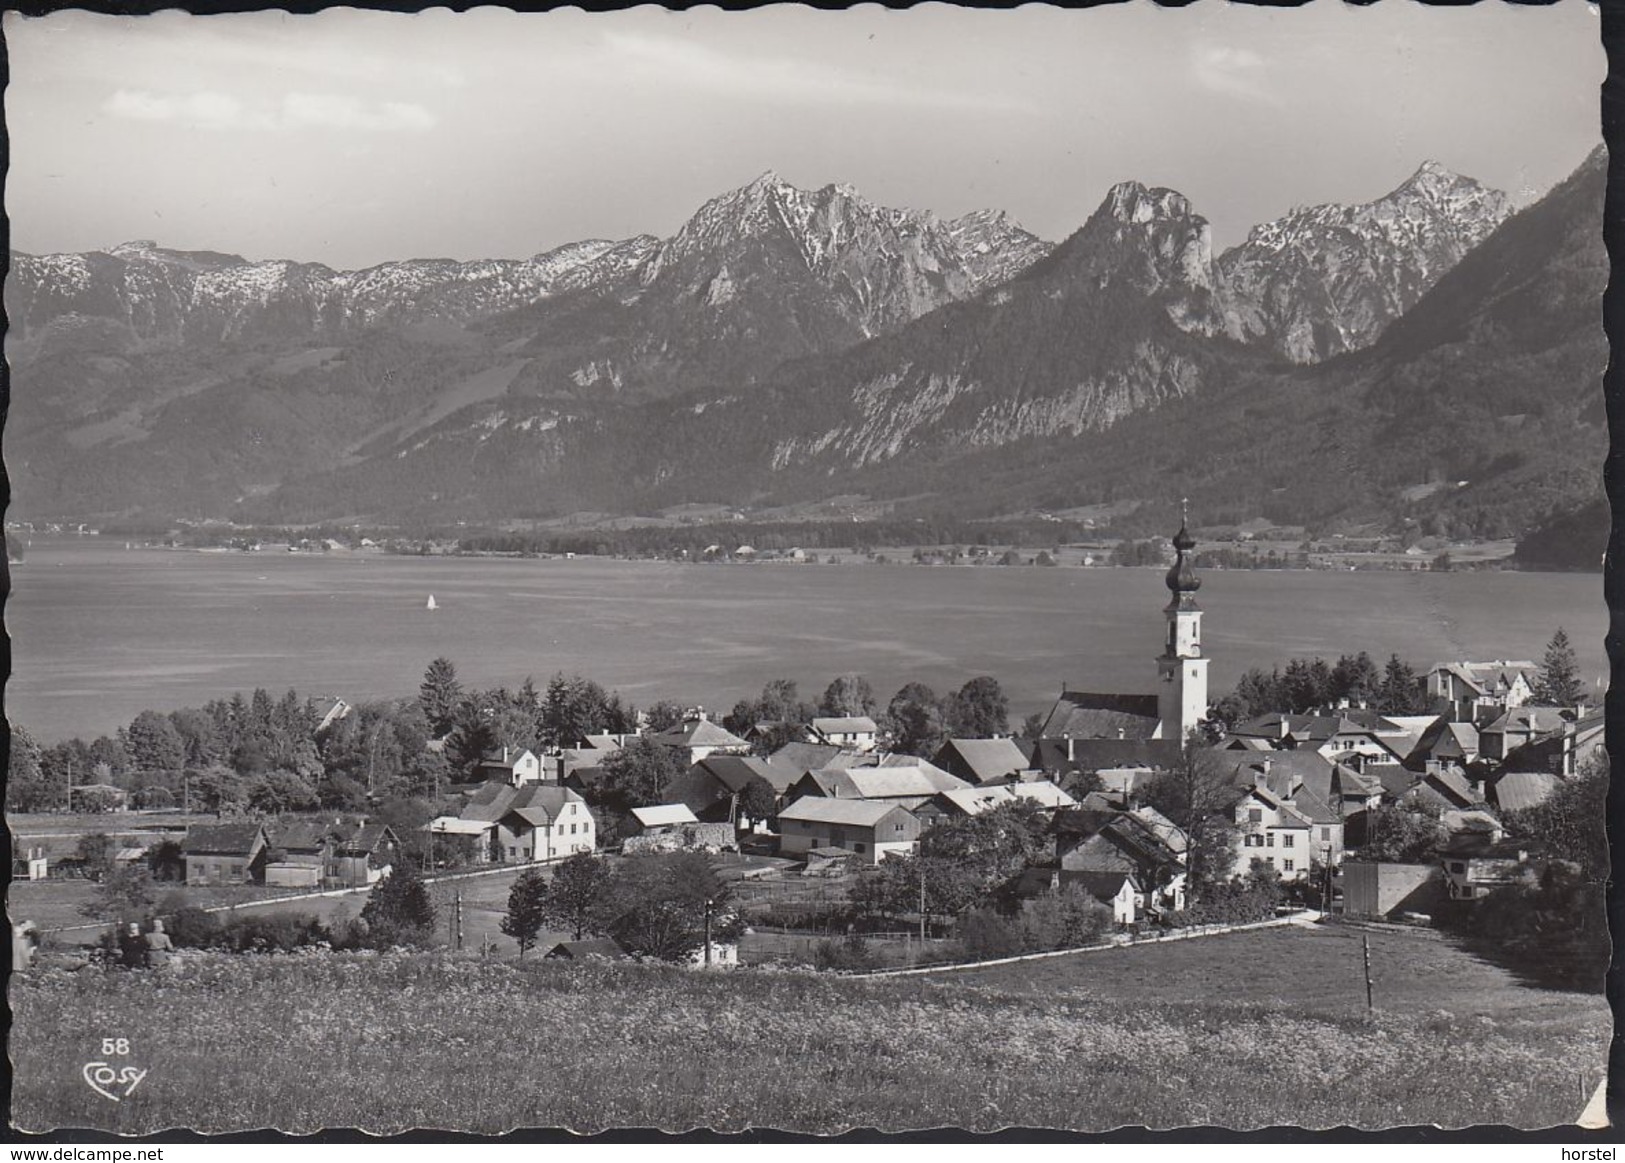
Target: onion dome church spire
column 1182, row 700
column 1182, row 581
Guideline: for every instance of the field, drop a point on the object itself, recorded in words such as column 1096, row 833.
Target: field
column 1182, row 1034
column 102, row 633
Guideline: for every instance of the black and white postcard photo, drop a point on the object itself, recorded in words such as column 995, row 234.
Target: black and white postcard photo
column 807, row 571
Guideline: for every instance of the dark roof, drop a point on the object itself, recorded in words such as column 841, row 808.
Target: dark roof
column 367, row 838
column 1453, row 787
column 1302, row 778
column 1517, row 790
column 735, row 771
column 981, row 760
column 799, row 758
column 1102, row 715
column 304, row 836
column 1395, row 779
column 221, row 839
column 1103, row 886
column 496, row 799
column 591, row 947
column 1100, row 754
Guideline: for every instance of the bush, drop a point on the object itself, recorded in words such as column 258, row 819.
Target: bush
column 271, row 933
column 189, row 927
column 852, row 955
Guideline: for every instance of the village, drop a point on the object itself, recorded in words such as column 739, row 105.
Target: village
column 1140, row 813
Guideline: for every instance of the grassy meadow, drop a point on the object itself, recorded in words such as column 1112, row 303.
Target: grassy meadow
column 1183, row 1034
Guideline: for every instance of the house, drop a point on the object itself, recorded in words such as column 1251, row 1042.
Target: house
column 362, row 854
column 1448, row 744
column 855, row 732
column 591, row 949
column 1579, row 741
column 909, row 786
column 1355, row 739
column 872, row 830
column 1475, row 866
column 699, row 737
column 1118, row 889
column 962, row 802
column 329, row 711
column 573, row 759
column 475, row 839
column 1271, row 830
column 1101, row 715
column 1518, row 791
column 1473, row 692
column 1311, row 786
column 712, row 786
column 224, row 853
column 28, row 863
column 532, row 821
column 984, row 760
column 1519, row 727
column 660, row 818
column 514, row 765
column 1146, row 846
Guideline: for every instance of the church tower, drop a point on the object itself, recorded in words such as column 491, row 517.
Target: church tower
column 1182, row 693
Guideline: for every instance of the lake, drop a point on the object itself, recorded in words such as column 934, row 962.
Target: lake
column 101, row 633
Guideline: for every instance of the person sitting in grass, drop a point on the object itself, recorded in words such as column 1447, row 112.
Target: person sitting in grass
column 159, row 946
column 132, row 949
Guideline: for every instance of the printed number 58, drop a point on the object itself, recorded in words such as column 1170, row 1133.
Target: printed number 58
column 115, row 1045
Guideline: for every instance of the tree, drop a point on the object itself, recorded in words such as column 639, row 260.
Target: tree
column 1198, row 794
column 527, row 909
column 1401, row 690
column 1402, row 835
column 979, row 710
column 1558, row 683
column 1568, row 824
column 914, row 718
column 399, row 904
column 659, row 905
column 575, row 898
column 847, row 696
column 124, row 891
column 757, row 800
column 663, row 716
column 994, row 846
column 638, row 774
column 27, row 788
column 279, row 791
column 95, row 851
column 218, row 789
column 1356, row 679
column 154, row 744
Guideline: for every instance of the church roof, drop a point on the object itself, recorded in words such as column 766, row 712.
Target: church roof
column 1102, row 715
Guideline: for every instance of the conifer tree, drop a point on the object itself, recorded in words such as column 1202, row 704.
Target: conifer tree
column 527, row 909
column 1558, row 684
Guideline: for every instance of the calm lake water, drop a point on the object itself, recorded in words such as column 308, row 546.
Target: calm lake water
column 101, row 633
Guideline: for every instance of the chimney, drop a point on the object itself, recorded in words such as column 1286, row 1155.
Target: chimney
column 1285, row 726
column 1071, row 751
column 1121, row 733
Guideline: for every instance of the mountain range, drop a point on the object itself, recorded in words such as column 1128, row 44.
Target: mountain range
column 1344, row 363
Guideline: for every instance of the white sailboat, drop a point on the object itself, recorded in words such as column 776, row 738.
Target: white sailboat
column 433, row 605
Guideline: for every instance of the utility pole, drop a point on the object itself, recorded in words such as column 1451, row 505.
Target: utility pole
column 708, row 933
column 922, row 908
column 458, row 912
column 1365, row 944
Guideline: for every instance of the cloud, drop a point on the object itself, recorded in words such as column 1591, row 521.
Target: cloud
column 688, row 63
column 213, row 110
column 1236, row 72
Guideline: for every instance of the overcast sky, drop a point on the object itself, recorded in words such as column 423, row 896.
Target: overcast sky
column 353, row 138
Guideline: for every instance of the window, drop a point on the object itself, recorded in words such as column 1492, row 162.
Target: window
column 860, row 848
column 1288, row 840
column 1269, row 840
column 513, row 850
column 897, row 827
column 1253, row 841
column 1255, row 815
column 572, row 829
column 1286, row 865
column 1325, row 833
